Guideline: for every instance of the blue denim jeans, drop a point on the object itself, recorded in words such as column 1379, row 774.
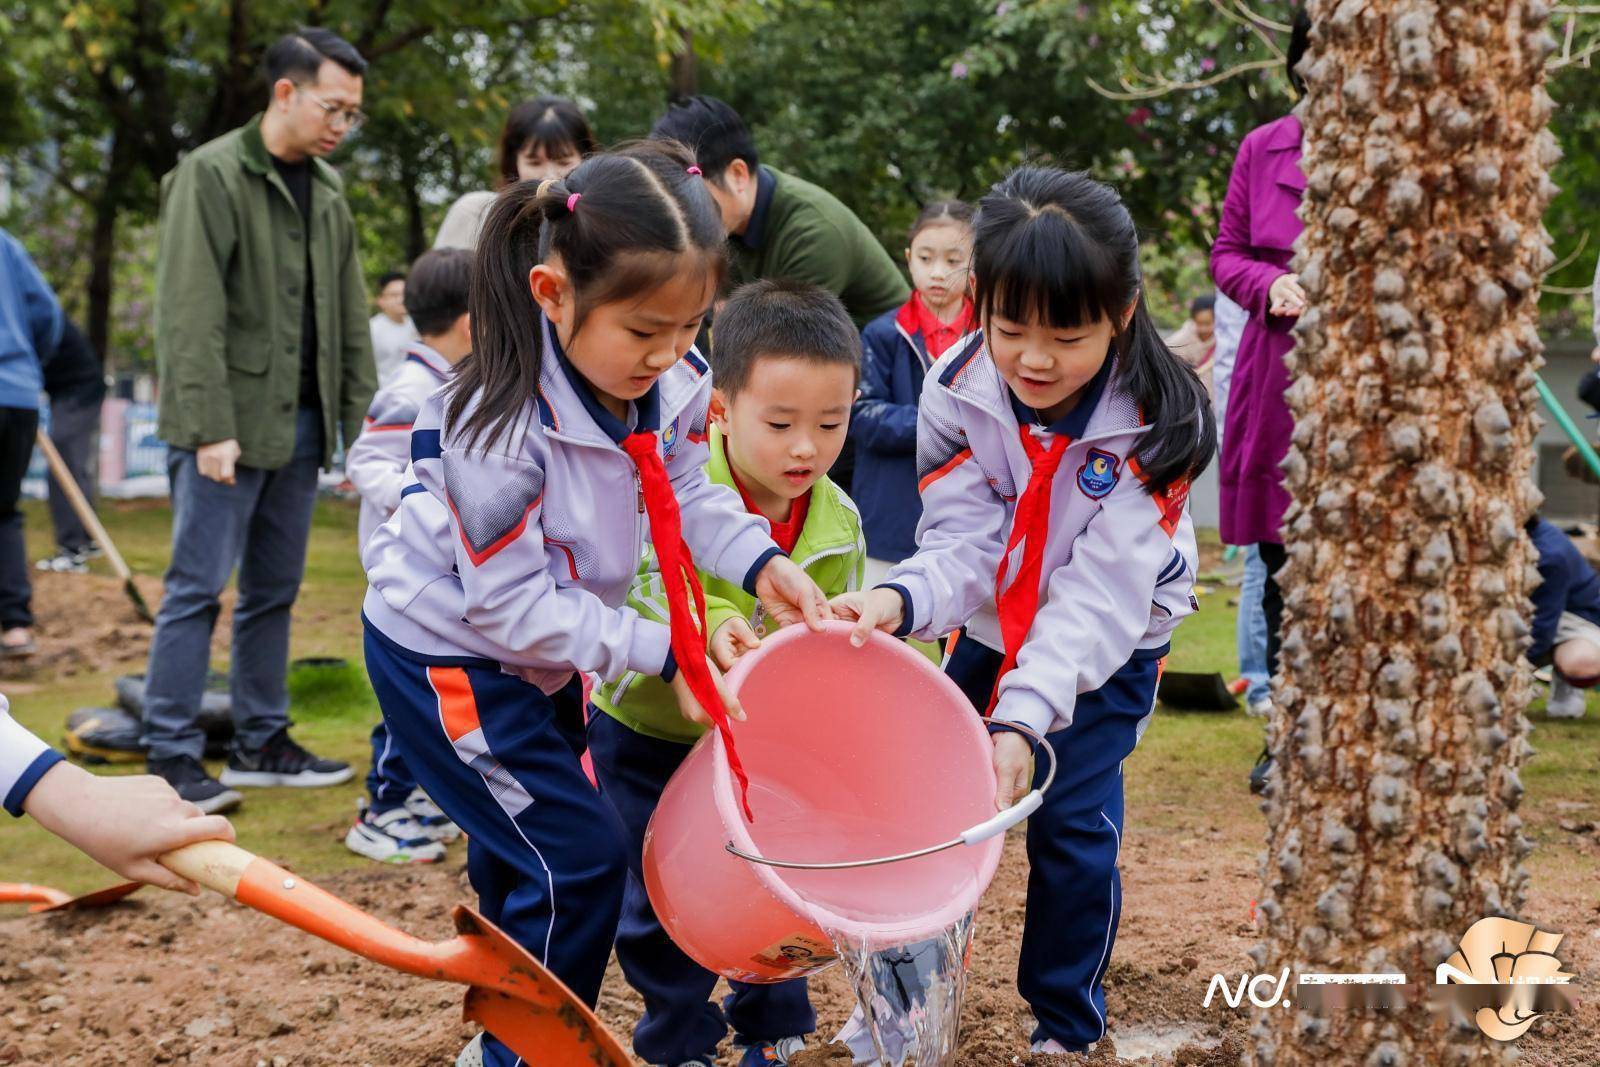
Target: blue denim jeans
column 261, row 524
column 1251, row 628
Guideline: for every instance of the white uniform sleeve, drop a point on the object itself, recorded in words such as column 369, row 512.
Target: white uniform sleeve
column 960, row 537
column 1097, row 608
column 723, row 537
column 377, row 461
column 23, row 760
column 494, row 501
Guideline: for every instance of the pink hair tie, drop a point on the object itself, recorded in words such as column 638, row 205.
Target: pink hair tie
column 694, row 170
column 572, row 202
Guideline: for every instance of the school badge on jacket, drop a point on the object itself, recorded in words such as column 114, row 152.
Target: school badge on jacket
column 1098, row 475
column 669, row 440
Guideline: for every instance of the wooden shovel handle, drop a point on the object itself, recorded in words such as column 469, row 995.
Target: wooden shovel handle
column 216, row 865
column 80, row 504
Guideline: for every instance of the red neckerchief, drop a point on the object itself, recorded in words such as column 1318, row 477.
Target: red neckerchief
column 938, row 336
column 1018, row 603
column 687, row 621
column 785, row 534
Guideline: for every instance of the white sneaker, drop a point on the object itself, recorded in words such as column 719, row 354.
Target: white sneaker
column 392, row 837
column 1260, row 708
column 1566, row 701
column 1052, row 1047
column 472, row 1054
column 435, row 824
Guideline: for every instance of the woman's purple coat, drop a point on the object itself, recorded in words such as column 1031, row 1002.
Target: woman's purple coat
column 1254, row 242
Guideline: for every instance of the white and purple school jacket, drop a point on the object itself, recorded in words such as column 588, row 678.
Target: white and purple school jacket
column 23, row 760
column 521, row 550
column 1119, row 564
column 377, row 463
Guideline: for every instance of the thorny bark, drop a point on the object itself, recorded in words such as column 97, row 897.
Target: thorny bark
column 1399, row 724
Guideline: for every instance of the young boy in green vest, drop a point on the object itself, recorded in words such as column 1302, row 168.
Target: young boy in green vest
column 785, row 360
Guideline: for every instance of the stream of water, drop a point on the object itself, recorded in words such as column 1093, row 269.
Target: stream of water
column 908, row 998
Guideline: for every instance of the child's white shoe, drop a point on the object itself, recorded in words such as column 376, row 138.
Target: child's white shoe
column 472, row 1055
column 1052, row 1047
column 1566, row 700
column 392, row 837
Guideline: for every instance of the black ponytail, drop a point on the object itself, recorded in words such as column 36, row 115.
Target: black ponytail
column 1060, row 248
column 622, row 224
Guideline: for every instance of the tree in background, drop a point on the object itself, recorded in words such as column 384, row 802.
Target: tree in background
column 119, row 90
column 888, row 103
column 1399, row 723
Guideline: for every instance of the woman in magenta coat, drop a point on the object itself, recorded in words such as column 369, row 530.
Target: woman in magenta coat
column 1250, row 262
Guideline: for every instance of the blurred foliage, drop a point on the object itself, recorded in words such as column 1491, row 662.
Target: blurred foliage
column 888, row 103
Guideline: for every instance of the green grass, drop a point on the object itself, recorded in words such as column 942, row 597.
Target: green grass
column 1189, row 771
column 333, row 709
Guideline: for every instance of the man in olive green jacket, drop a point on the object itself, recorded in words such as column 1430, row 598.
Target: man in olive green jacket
column 264, row 359
column 784, row 227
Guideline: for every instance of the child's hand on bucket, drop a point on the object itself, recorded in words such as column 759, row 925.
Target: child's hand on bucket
column 1013, row 767
column 733, row 639
column 690, row 708
column 880, row 609
column 789, row 594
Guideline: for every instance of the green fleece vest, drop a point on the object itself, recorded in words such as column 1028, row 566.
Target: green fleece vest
column 830, row 549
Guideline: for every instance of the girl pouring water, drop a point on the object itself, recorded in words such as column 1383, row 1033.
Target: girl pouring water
column 1054, row 466
column 577, row 425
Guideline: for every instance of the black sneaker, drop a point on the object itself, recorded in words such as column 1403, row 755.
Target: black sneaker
column 282, row 762
column 1258, row 774
column 188, row 776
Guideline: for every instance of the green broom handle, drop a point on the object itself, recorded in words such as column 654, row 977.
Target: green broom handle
column 1568, row 427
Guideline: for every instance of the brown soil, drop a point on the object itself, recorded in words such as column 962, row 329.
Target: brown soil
column 85, row 624
column 163, row 979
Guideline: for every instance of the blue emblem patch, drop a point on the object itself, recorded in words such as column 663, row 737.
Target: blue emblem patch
column 669, row 439
column 1098, row 475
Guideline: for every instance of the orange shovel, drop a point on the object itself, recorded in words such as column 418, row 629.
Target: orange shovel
column 509, row 992
column 44, row 898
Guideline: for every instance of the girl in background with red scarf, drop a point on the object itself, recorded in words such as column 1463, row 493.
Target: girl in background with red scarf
column 897, row 348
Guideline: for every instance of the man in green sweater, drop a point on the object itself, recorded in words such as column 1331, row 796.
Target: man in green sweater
column 783, row 227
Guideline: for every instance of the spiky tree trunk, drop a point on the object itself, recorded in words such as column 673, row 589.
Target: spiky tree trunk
column 1400, row 695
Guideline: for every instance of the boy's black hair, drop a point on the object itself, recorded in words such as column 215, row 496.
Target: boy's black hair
column 551, row 122
column 638, row 212
column 1299, row 42
column 1205, row 302
column 299, row 55
column 436, row 292
column 390, row 276
column 712, row 129
column 1060, row 248
column 778, row 318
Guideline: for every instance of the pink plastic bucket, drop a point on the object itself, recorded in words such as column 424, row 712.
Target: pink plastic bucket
column 853, row 753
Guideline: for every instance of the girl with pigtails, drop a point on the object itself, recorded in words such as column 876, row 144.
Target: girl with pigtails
column 575, row 428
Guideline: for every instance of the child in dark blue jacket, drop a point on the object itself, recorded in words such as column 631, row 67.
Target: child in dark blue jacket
column 1566, row 620
column 898, row 347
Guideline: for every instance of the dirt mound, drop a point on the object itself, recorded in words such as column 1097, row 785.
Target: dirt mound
column 85, row 623
column 163, row 979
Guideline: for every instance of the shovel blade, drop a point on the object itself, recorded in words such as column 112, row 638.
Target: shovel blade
column 40, row 896
column 100, row 898
column 519, row 1001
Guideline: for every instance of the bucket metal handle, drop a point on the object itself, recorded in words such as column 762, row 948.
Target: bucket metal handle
column 999, row 824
